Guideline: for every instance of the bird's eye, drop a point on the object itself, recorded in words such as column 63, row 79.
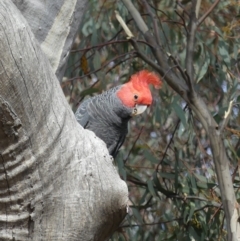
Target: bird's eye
column 135, row 97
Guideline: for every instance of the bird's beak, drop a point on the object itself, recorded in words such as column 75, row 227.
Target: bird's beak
column 139, row 109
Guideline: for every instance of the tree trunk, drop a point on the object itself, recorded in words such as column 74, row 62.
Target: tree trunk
column 58, row 181
column 54, row 24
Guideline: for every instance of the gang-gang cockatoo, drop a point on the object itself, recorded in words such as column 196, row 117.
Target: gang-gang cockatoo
column 107, row 114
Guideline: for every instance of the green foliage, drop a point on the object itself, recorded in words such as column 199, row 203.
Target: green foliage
column 166, row 159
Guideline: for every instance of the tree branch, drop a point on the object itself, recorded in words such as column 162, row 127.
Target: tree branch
column 191, row 43
column 53, row 172
column 208, row 12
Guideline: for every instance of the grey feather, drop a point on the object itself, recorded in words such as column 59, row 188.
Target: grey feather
column 107, row 117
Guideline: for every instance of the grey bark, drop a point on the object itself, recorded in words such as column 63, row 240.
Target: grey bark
column 57, row 181
column 54, row 24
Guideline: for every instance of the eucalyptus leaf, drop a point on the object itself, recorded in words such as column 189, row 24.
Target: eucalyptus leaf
column 191, row 210
column 137, row 215
column 150, row 157
column 179, row 111
column 97, row 60
column 203, row 69
column 151, row 188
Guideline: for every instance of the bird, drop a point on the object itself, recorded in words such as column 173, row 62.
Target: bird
column 108, row 114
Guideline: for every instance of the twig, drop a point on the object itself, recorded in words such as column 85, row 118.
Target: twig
column 168, row 145
column 133, row 53
column 100, row 11
column 208, row 206
column 200, row 20
column 184, row 23
column 226, row 116
column 144, row 206
column 214, row 204
column 100, row 45
column 120, row 62
column 136, row 181
column 124, row 26
column 140, row 167
column 178, row 66
column 184, row 10
column 82, row 97
column 170, row 142
column 93, row 72
column 134, row 143
column 219, row 208
column 128, row 21
column 143, row 224
column 160, row 23
column 221, row 227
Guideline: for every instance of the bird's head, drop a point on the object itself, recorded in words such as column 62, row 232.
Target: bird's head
column 136, row 94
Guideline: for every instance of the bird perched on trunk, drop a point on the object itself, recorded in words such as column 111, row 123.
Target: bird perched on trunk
column 107, row 114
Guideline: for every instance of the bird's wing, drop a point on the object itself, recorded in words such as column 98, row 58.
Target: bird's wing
column 92, row 106
column 114, row 148
column 82, row 114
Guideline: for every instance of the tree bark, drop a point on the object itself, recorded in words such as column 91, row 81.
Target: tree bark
column 58, row 181
column 54, row 24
